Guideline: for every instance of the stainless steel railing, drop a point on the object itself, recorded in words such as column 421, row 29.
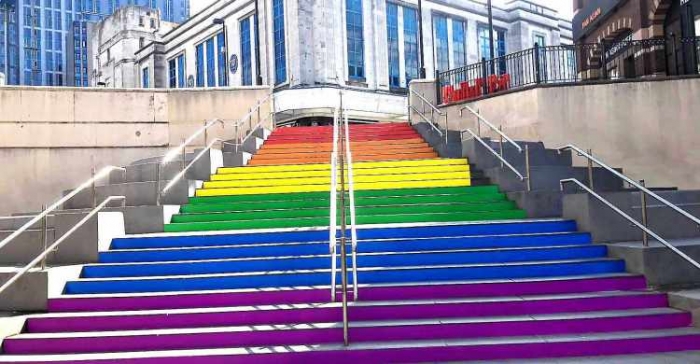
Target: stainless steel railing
column 351, row 196
column 641, row 226
column 257, row 110
column 433, row 110
column 47, row 250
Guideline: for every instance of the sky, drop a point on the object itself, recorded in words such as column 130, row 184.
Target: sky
column 565, row 7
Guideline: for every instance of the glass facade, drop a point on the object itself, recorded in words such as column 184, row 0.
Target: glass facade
column 459, row 43
column 181, row 78
column 47, row 39
column 392, row 25
column 442, row 46
column 410, row 42
column 221, row 59
column 199, row 65
column 484, row 41
column 355, row 39
column 145, row 78
column 246, row 59
column 280, row 48
column 172, row 73
column 539, row 40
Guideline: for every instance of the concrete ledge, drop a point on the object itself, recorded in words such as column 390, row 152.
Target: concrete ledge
column 29, row 293
column 660, row 265
column 687, row 301
column 539, row 204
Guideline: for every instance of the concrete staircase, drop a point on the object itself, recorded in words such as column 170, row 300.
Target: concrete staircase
column 448, row 270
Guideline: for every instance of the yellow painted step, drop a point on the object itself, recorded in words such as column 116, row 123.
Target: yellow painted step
column 357, row 172
column 356, row 166
column 327, row 180
column 462, row 182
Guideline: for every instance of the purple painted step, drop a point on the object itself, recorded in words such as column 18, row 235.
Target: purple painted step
column 534, row 350
column 305, row 336
column 388, row 311
column 254, row 298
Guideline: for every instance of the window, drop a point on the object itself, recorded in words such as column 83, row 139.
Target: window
column 280, row 51
column 484, row 42
column 221, row 58
column 200, row 64
column 181, row 82
column 355, row 38
column 211, row 60
column 145, row 78
column 142, row 42
column 539, row 40
column 246, row 62
column 392, row 24
column 697, row 26
column 442, row 47
column 459, row 43
column 172, row 73
column 410, row 42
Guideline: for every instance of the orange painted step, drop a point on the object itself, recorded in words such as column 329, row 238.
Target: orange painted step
column 326, row 159
column 356, row 149
column 326, row 140
column 288, row 146
column 327, row 155
column 328, row 129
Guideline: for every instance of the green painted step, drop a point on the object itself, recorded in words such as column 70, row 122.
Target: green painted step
column 359, row 202
column 407, row 207
column 359, row 194
column 363, row 220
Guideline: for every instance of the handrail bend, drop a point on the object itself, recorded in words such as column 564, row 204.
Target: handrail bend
column 433, row 110
column 101, row 174
column 181, row 174
column 174, row 152
column 503, row 160
column 58, row 242
column 491, row 126
column 631, row 220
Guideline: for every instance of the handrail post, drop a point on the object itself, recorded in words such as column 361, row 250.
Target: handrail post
column 44, row 236
column 250, row 119
column 237, row 138
column 409, row 107
column 590, row 169
column 645, row 216
column 158, row 184
column 93, row 188
column 500, row 128
column 478, row 123
column 184, row 155
column 447, row 130
column 206, row 132
column 527, row 168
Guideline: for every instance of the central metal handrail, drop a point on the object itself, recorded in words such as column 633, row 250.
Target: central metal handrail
column 59, row 241
column 632, row 182
column 500, row 157
column 174, row 152
column 498, row 131
column 249, row 116
column 638, row 224
column 433, row 110
column 333, row 223
column 182, row 172
column 351, row 194
column 87, row 184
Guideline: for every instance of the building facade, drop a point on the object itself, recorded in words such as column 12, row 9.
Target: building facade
column 368, row 45
column 40, row 37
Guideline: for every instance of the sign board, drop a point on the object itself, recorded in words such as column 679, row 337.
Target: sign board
column 594, row 11
column 233, row 64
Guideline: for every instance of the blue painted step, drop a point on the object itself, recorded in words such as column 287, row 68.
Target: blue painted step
column 366, row 275
column 363, row 260
column 369, row 246
column 505, row 228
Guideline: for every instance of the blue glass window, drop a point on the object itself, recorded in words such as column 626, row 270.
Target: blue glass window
column 199, row 64
column 221, row 47
column 211, row 61
column 356, row 42
column 280, row 51
column 181, row 71
column 484, row 42
column 442, row 47
column 246, row 62
column 459, row 43
column 172, row 73
column 392, row 25
column 145, row 78
column 410, row 42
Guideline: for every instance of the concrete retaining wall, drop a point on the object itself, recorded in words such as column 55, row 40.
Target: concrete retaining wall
column 50, row 138
column 648, row 128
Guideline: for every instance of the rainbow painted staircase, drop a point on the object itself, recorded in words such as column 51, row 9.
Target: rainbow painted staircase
column 449, row 270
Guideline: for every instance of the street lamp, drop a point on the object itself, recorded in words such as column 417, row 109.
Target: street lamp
column 421, row 71
column 491, row 43
column 256, row 19
column 224, row 49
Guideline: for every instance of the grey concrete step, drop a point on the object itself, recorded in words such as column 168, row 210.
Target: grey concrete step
column 539, row 155
column 546, row 178
column 137, row 194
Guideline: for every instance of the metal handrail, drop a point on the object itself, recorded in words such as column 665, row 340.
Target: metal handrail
column 333, row 224
column 89, row 183
column 174, row 152
column 433, row 110
column 427, row 102
column 597, row 161
column 249, row 116
column 58, row 242
column 490, row 125
column 503, row 160
column 351, row 194
column 631, row 219
column 430, row 122
column 181, row 174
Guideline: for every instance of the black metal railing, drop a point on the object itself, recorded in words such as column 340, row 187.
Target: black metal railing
column 624, row 59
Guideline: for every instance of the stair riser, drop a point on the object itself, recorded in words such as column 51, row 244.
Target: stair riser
column 538, row 350
column 364, row 247
column 397, row 260
column 334, row 335
column 323, row 159
column 322, row 278
column 367, row 294
column 362, row 234
column 356, row 313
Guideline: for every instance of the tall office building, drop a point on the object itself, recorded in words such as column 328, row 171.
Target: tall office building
column 44, row 42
